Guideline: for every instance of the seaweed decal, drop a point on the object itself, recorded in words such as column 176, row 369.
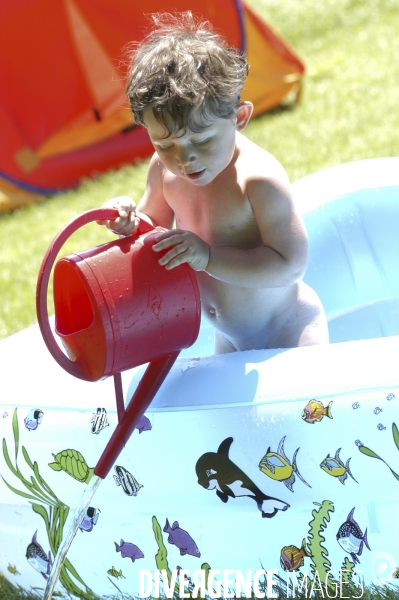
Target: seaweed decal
column 40, row 495
column 161, row 556
column 319, row 560
column 318, row 554
column 372, row 454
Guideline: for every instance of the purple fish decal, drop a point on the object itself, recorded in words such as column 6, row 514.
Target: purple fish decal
column 351, row 538
column 144, row 424
column 128, row 550
column 38, row 558
column 180, row 538
column 33, row 419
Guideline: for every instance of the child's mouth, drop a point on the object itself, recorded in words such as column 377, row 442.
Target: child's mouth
column 195, row 175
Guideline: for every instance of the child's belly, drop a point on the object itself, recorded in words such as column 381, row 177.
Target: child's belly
column 257, row 318
column 243, row 313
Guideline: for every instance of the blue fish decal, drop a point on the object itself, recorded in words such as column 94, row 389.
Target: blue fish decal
column 351, row 539
column 90, row 519
column 33, row 419
column 38, row 558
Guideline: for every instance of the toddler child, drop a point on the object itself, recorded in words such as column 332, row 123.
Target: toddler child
column 235, row 220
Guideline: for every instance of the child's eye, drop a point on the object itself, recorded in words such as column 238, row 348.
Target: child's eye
column 201, row 142
column 164, row 148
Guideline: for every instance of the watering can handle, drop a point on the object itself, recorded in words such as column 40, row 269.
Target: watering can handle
column 97, row 214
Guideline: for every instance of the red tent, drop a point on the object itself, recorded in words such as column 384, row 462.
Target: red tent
column 63, row 111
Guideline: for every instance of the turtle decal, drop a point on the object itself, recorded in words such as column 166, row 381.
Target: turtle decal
column 73, row 463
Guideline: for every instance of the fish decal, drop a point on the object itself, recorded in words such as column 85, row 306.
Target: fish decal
column 314, row 411
column 351, row 539
column 33, row 419
column 381, row 427
column 390, row 396
column 358, row 443
column 336, row 468
column 181, row 539
column 129, row 550
column 356, row 405
column 277, row 466
column 38, row 558
column 292, row 558
column 13, row 569
column 90, row 519
column 114, row 573
column 377, row 410
column 99, row 421
column 143, row 424
column 129, row 484
column 215, row 471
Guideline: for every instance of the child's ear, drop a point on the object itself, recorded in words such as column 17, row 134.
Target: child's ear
column 244, row 112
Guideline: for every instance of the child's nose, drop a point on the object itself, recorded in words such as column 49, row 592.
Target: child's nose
column 186, row 156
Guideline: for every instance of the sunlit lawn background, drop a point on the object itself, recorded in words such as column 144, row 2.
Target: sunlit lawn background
column 349, row 111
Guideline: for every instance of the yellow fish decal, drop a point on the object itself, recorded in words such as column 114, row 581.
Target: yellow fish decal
column 277, row 466
column 292, row 558
column 336, row 468
column 114, row 573
column 314, row 411
column 13, row 569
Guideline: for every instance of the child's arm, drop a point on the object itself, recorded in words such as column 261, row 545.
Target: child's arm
column 152, row 205
column 279, row 262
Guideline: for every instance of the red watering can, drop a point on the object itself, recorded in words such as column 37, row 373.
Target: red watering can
column 117, row 308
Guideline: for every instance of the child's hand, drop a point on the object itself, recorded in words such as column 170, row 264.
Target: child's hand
column 186, row 248
column 128, row 220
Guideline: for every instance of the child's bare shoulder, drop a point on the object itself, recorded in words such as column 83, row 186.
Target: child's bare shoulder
column 258, row 165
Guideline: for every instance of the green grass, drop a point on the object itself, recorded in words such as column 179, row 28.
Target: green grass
column 388, row 592
column 348, row 112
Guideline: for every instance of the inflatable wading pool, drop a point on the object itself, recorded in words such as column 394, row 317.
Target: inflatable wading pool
column 284, row 460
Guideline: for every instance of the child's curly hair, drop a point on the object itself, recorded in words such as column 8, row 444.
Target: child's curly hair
column 186, row 72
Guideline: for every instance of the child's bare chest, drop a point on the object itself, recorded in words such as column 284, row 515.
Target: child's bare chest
column 221, row 215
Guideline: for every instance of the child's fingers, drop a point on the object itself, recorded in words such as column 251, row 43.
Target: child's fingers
column 124, row 205
column 184, row 247
column 167, row 239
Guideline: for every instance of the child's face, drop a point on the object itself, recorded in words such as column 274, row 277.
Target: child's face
column 196, row 156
